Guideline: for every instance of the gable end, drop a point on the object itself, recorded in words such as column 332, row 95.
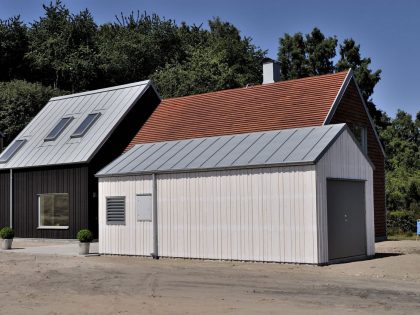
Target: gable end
column 337, row 101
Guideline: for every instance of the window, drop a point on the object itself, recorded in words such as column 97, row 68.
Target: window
column 11, row 150
column 58, row 129
column 115, row 210
column 85, row 125
column 361, row 135
column 144, row 207
column 53, row 211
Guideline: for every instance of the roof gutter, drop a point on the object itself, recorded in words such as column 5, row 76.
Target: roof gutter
column 155, row 253
column 156, row 172
column 11, row 199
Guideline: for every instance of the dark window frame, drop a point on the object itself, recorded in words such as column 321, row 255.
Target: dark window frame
column 54, row 135
column 11, row 150
column 82, row 129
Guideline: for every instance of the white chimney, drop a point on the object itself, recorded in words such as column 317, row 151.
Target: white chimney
column 271, row 71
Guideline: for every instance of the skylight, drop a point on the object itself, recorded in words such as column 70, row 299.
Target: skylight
column 85, row 125
column 11, row 150
column 58, row 129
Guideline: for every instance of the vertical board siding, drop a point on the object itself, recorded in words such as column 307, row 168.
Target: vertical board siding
column 4, row 199
column 263, row 214
column 352, row 112
column 132, row 238
column 266, row 214
column 343, row 161
column 28, row 183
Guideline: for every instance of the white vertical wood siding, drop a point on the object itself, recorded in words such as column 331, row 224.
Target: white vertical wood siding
column 343, row 160
column 266, row 214
column 133, row 238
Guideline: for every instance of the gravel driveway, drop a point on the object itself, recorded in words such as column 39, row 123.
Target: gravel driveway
column 55, row 284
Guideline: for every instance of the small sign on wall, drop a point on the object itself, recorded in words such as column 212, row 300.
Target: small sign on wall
column 418, row 227
column 144, row 207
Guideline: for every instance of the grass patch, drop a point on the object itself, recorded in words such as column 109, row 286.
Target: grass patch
column 401, row 237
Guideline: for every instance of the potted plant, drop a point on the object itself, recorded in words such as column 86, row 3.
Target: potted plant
column 7, row 234
column 85, row 237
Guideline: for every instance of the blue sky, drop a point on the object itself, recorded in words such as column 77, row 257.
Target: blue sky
column 387, row 31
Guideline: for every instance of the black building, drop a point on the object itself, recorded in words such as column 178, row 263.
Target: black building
column 47, row 183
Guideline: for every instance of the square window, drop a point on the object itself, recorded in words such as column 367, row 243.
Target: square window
column 53, row 210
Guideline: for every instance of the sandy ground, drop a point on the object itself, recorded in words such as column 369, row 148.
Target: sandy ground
column 51, row 284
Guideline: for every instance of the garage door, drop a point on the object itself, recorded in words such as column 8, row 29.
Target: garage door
column 346, row 218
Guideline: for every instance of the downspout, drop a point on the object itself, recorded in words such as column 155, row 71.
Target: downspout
column 11, row 199
column 155, row 253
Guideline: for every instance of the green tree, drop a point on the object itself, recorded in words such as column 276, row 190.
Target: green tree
column 216, row 59
column 132, row 48
column 366, row 78
column 13, row 46
column 311, row 55
column 402, row 146
column 62, row 48
column 292, row 57
column 320, row 51
column 20, row 101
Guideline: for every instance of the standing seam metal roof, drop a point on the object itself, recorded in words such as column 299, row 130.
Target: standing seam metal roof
column 287, row 146
column 113, row 104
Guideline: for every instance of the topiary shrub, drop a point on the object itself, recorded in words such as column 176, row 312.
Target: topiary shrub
column 7, row 233
column 85, row 236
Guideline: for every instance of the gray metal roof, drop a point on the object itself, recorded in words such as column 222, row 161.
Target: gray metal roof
column 112, row 104
column 289, row 146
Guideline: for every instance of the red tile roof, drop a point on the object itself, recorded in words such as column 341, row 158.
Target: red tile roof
column 286, row 104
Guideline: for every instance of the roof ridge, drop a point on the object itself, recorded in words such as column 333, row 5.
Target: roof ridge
column 259, row 85
column 111, row 88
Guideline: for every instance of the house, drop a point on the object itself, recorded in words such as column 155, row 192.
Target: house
column 47, row 183
column 302, row 195
column 313, row 101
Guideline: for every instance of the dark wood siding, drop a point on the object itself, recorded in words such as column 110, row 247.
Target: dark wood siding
column 28, row 183
column 352, row 112
column 4, row 198
column 115, row 146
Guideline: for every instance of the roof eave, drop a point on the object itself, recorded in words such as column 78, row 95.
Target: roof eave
column 196, row 170
column 148, row 85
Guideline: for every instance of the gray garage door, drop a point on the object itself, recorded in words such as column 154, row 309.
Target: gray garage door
column 346, row 218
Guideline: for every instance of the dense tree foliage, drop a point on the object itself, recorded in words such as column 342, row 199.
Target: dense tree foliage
column 13, row 46
column 20, row 101
column 213, row 60
column 402, row 146
column 64, row 52
column 302, row 56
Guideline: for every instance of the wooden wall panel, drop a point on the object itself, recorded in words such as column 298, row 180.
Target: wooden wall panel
column 132, row 238
column 4, row 199
column 343, row 161
column 266, row 214
column 28, row 183
column 351, row 111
